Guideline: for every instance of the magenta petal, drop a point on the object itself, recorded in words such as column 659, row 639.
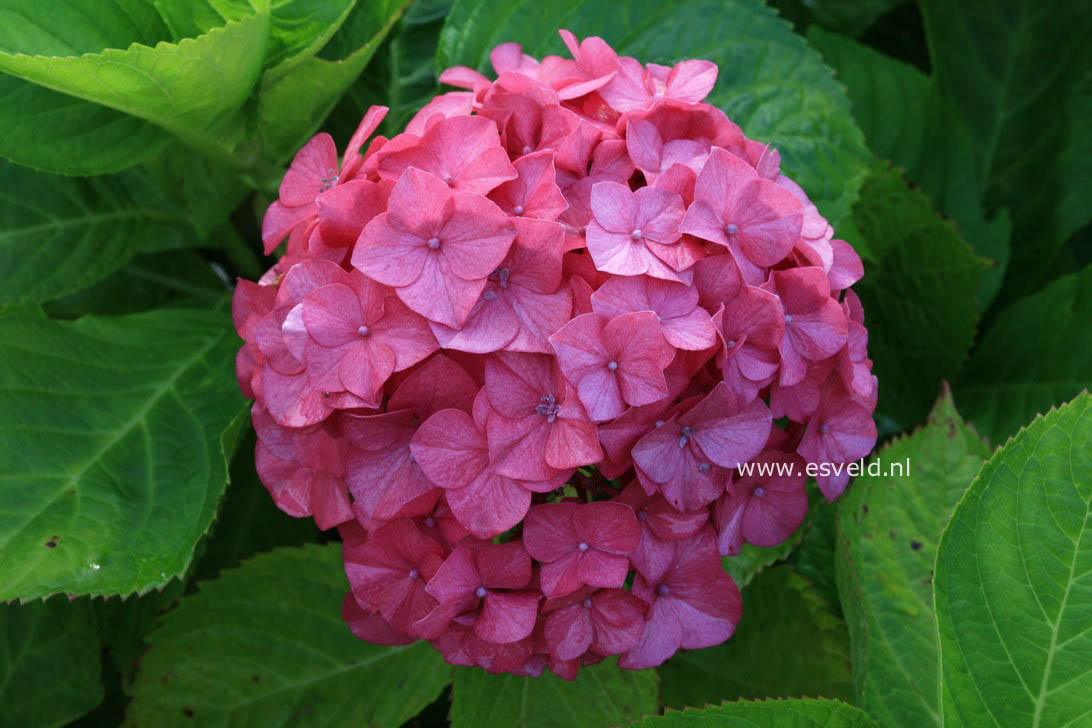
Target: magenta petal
column 449, row 449
column 507, row 616
column 549, row 533
column 569, row 632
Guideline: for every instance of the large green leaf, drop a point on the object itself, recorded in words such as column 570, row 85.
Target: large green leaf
column 888, row 528
column 193, row 88
column 905, row 119
column 766, row 656
column 50, row 671
column 61, row 235
column 297, row 28
column 112, row 467
column 799, row 713
column 1014, row 581
column 294, row 103
column 919, row 295
column 65, row 135
column 602, row 695
column 1010, row 69
column 264, row 645
column 1037, row 353
column 771, row 83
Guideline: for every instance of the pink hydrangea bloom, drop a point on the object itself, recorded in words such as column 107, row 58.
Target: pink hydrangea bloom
column 570, row 278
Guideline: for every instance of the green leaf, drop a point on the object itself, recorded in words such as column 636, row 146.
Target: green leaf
column 766, row 657
column 918, row 296
column 888, row 529
column 112, row 466
column 61, row 235
column 124, row 623
column 294, row 103
column 770, row 83
column 851, row 17
column 50, row 671
column 905, row 120
column 1014, row 581
column 193, row 88
column 297, row 28
column 1010, row 69
column 65, row 135
column 799, row 713
column 813, row 559
column 265, row 645
column 178, row 279
column 1036, row 354
column 602, row 695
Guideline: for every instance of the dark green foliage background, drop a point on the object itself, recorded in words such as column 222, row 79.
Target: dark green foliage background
column 146, row 577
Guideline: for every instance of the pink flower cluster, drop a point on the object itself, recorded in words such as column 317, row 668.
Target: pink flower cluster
column 517, row 352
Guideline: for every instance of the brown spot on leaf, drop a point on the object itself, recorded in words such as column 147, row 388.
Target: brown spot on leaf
column 51, row 543
column 915, row 545
column 187, row 711
column 256, row 679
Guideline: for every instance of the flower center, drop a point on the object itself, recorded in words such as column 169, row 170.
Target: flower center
column 636, row 234
column 434, row 243
column 430, row 522
column 363, row 331
column 759, row 492
column 329, row 180
column 612, row 365
column 518, row 209
column 731, row 228
column 824, row 428
column 704, row 467
column 586, row 603
column 663, row 590
column 788, row 318
column 413, row 574
column 449, row 180
column 527, row 150
column 730, row 343
column 480, row 592
column 489, row 295
column 642, row 516
column 582, row 546
column 548, row 407
column 687, row 433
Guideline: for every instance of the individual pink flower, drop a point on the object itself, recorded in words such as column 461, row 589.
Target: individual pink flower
column 596, row 61
column 755, row 219
column 529, row 121
column 853, row 363
column 314, row 170
column 661, row 525
column 300, row 486
column 488, row 584
column 389, row 570
column 452, row 450
column 635, row 233
column 613, row 362
column 383, row 477
column 840, row 431
column 534, row 192
column 585, row 543
column 680, row 457
column 751, row 327
column 604, row 622
column 343, row 212
column 539, row 427
column 684, row 324
column 523, row 302
column 634, row 87
column 464, row 152
column 434, row 246
column 763, row 509
column 693, row 603
column 358, row 335
column 653, row 156
column 815, row 327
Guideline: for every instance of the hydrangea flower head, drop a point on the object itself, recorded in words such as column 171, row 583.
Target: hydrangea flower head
column 521, row 353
